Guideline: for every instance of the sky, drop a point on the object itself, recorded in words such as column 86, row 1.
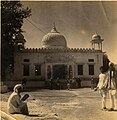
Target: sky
column 76, row 21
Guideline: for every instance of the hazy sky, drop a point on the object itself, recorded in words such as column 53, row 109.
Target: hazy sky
column 77, row 21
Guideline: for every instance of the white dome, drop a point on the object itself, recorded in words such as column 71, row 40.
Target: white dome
column 54, row 40
column 96, row 37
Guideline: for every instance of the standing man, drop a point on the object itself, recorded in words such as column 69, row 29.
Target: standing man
column 68, row 84
column 112, row 86
column 78, row 81
column 92, row 82
column 58, row 84
column 51, row 83
column 102, row 86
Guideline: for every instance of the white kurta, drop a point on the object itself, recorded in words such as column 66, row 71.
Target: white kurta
column 102, row 85
column 111, row 81
column 102, row 81
column 15, row 105
column 112, row 86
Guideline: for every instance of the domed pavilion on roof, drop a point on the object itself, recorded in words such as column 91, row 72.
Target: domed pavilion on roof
column 96, row 41
column 56, row 62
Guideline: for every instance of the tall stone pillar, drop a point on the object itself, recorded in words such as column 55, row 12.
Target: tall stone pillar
column 67, row 71
column 48, row 72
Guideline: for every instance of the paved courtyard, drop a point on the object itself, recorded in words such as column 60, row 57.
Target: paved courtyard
column 75, row 104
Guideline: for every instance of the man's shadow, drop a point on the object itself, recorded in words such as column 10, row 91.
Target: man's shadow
column 33, row 115
column 30, row 115
column 115, row 110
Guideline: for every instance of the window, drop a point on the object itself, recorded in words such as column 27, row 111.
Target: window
column 90, row 60
column 26, row 70
column 26, row 60
column 91, row 69
column 37, row 70
column 80, row 69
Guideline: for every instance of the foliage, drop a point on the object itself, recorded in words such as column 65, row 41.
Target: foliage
column 12, row 16
column 106, row 62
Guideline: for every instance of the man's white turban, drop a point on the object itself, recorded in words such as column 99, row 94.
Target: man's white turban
column 17, row 87
column 111, row 64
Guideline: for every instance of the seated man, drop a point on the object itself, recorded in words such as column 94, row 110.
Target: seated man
column 15, row 104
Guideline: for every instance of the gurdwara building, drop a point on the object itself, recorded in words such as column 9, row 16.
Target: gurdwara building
column 56, row 60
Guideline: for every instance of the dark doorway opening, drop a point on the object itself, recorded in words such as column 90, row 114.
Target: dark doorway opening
column 59, row 71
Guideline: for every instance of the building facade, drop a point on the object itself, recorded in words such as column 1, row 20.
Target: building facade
column 55, row 60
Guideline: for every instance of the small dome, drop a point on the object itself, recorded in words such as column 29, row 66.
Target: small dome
column 96, row 37
column 54, row 40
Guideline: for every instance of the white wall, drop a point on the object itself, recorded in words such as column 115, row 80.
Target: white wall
column 73, row 58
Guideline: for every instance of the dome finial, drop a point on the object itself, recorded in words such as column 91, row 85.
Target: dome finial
column 54, row 30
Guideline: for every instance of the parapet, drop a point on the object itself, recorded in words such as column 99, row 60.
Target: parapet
column 48, row 50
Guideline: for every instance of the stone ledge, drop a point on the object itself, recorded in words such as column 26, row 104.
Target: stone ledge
column 6, row 116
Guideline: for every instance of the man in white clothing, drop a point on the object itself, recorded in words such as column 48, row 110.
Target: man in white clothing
column 15, row 104
column 112, row 86
column 102, row 87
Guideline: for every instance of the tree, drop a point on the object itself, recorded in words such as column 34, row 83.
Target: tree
column 106, row 62
column 12, row 16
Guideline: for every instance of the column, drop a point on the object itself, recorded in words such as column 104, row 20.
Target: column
column 98, row 46
column 101, row 46
column 46, row 72
column 51, row 71
column 67, row 71
column 73, row 71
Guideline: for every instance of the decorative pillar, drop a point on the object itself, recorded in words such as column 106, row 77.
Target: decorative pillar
column 101, row 46
column 48, row 72
column 51, row 71
column 98, row 46
column 73, row 71
column 67, row 71
column 92, row 45
column 70, row 71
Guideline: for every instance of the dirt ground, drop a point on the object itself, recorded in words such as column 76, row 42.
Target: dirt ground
column 75, row 104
